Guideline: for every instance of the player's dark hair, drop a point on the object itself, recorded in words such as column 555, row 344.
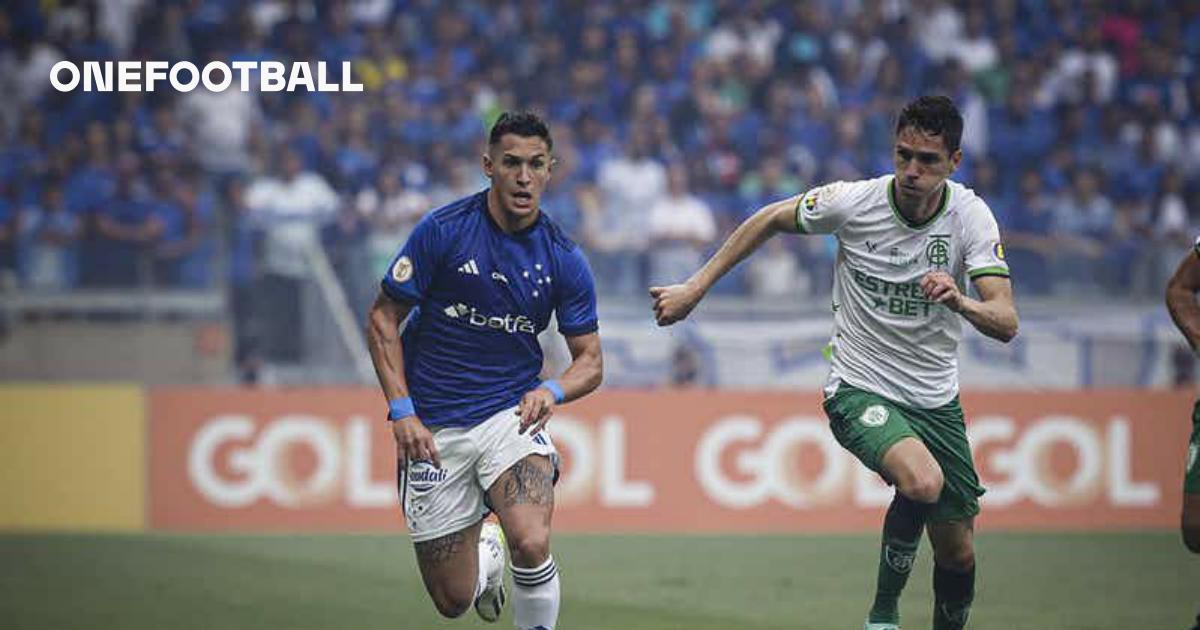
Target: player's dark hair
column 524, row 124
column 936, row 116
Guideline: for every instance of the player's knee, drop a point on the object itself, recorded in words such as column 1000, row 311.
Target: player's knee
column 531, row 547
column 923, row 487
column 958, row 558
column 451, row 604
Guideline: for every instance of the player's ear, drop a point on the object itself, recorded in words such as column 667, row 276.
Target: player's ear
column 488, row 165
column 955, row 159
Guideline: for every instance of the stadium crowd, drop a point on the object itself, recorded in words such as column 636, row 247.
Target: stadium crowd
column 671, row 120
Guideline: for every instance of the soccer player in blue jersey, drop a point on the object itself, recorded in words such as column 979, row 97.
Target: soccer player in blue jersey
column 477, row 281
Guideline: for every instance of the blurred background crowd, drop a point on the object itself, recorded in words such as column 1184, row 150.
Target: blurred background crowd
column 672, row 121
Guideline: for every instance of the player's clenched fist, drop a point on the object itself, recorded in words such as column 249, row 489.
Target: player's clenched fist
column 414, row 441
column 536, row 407
column 673, row 303
column 941, row 288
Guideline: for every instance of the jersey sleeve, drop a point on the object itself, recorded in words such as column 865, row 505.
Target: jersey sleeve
column 984, row 253
column 825, row 209
column 410, row 276
column 576, row 296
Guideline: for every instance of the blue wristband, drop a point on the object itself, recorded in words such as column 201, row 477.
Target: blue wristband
column 555, row 389
column 400, row 408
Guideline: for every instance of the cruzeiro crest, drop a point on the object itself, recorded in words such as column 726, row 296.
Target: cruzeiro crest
column 937, row 250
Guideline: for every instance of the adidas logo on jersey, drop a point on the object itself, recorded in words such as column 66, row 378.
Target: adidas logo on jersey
column 469, row 268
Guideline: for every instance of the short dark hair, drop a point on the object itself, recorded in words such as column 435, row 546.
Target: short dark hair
column 524, row 124
column 936, row 116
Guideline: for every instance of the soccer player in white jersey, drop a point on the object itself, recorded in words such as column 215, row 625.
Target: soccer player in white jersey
column 1181, row 303
column 907, row 243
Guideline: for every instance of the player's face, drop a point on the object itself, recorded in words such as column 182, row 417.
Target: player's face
column 519, row 168
column 922, row 164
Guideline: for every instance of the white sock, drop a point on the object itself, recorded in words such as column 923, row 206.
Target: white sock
column 535, row 596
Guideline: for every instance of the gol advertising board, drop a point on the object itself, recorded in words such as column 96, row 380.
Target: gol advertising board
column 323, row 459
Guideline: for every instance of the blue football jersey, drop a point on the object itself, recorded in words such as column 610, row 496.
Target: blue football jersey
column 480, row 298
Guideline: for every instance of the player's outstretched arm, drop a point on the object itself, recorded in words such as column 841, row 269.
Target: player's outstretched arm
column 1181, row 298
column 674, row 303
column 581, row 378
column 994, row 314
column 414, row 441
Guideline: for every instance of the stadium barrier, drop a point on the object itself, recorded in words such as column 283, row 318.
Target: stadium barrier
column 695, row 461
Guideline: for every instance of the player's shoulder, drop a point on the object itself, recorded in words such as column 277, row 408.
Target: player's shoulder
column 458, row 211
column 854, row 192
column 968, row 205
column 557, row 236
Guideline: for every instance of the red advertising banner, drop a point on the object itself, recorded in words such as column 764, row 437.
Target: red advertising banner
column 323, row 459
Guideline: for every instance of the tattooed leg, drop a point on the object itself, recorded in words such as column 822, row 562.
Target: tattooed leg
column 449, row 567
column 523, row 499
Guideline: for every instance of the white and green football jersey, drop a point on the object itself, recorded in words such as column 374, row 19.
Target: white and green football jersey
column 887, row 337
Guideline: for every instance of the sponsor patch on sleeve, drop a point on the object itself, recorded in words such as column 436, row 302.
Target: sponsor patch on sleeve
column 402, row 269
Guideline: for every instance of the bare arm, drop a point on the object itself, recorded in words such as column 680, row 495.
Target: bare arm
column 414, row 441
column 581, row 378
column 994, row 314
column 383, row 342
column 586, row 371
column 673, row 303
column 1181, row 299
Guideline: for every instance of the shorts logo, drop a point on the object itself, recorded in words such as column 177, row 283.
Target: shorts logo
column 1193, row 451
column 402, row 270
column 874, row 416
column 423, row 476
column 899, row 561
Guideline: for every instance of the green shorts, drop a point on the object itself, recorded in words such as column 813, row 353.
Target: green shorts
column 1191, row 475
column 868, row 425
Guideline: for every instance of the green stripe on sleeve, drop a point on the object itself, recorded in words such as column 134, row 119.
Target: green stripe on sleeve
column 988, row 271
column 799, row 217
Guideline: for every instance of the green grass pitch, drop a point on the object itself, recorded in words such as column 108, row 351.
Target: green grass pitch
column 1045, row 581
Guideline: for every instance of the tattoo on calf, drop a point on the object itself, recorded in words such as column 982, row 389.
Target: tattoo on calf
column 528, row 482
column 440, row 550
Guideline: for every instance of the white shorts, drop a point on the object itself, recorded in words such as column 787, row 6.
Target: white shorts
column 440, row 502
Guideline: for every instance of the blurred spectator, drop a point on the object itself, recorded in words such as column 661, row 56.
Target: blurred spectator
column 129, row 226
column 47, row 239
column 390, row 210
column 775, row 273
column 629, row 186
column 291, row 208
column 1030, row 244
column 1085, row 222
column 686, row 367
column 244, row 277
column 24, row 73
column 681, row 230
column 219, row 126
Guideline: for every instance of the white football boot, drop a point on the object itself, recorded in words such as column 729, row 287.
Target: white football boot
column 490, row 602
